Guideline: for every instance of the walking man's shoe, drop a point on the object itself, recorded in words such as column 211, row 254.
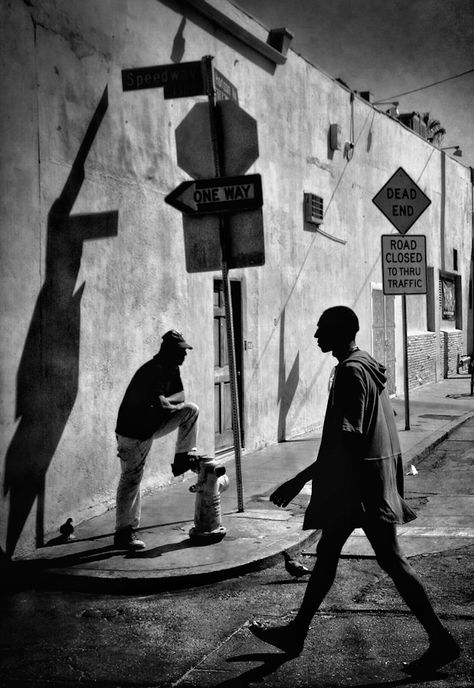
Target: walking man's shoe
column 183, row 462
column 286, row 638
column 440, row 652
column 126, row 539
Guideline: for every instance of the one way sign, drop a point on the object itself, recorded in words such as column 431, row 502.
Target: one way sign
column 219, row 195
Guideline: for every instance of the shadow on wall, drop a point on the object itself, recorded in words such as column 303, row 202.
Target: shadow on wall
column 47, row 379
column 286, row 385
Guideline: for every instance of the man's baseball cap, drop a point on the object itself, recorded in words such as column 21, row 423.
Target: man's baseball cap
column 175, row 338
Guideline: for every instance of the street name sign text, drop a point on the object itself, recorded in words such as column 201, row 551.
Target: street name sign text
column 401, row 201
column 177, row 80
column 218, row 195
column 225, row 89
column 404, row 264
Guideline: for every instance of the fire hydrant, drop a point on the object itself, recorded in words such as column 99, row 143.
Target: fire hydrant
column 207, row 511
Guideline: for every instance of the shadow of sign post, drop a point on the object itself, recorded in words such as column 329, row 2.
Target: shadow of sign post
column 47, row 378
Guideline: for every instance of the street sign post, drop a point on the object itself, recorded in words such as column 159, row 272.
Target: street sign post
column 401, row 201
column 216, row 130
column 404, row 264
column 404, row 272
column 216, row 139
column 403, row 260
column 218, row 195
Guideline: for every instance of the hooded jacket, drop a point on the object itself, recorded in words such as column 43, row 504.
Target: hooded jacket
column 363, row 479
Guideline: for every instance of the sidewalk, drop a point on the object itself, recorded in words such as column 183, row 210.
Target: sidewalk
column 256, row 537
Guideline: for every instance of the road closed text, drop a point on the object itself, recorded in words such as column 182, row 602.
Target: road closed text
column 404, row 264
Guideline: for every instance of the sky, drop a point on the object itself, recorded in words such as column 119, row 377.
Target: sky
column 389, row 47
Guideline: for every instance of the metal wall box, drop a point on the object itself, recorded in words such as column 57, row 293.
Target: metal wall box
column 313, row 208
column 335, row 142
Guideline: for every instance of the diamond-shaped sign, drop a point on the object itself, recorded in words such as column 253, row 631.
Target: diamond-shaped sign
column 401, row 201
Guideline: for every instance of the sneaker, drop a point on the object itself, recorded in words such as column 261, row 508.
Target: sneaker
column 440, row 652
column 283, row 637
column 126, row 539
column 184, row 462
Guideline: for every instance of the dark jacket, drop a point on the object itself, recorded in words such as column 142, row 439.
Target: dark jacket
column 353, row 485
column 141, row 413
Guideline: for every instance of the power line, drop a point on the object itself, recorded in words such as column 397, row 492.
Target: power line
column 456, row 76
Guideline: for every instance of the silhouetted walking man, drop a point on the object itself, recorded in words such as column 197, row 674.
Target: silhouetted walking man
column 357, row 482
column 153, row 406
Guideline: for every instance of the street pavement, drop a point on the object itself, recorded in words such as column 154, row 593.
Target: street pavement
column 53, row 635
column 256, row 536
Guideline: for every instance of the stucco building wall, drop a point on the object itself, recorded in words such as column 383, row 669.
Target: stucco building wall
column 93, row 258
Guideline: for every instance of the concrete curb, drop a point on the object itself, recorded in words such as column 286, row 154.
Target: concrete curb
column 21, row 573
column 38, row 573
column 416, row 454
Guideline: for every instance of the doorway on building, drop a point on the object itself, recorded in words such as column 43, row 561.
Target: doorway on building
column 224, row 438
column 383, row 333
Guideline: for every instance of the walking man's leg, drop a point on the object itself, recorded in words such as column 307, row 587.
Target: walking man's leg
column 443, row 648
column 132, row 454
column 290, row 637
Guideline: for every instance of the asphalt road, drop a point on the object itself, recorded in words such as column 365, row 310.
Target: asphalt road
column 199, row 636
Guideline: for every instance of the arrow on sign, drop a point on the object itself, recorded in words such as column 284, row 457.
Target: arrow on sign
column 220, row 195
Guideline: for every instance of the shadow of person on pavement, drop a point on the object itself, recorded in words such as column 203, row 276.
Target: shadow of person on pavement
column 170, row 547
column 271, row 661
column 48, row 374
column 406, row 681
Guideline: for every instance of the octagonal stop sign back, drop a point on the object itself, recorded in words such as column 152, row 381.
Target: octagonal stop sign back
column 239, row 147
column 239, row 141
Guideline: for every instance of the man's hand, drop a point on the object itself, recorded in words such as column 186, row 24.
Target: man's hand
column 288, row 491
column 166, row 404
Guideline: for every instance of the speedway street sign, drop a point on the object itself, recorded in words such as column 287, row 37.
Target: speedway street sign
column 218, row 195
column 177, row 80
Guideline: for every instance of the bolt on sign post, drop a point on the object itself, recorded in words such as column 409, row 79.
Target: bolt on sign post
column 403, row 259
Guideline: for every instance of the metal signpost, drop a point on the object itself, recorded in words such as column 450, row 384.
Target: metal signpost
column 218, row 164
column 403, row 259
column 219, row 138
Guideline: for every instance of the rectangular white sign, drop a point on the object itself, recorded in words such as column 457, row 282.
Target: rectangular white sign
column 404, row 264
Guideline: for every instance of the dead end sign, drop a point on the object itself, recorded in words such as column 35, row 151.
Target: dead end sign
column 401, row 201
column 404, row 264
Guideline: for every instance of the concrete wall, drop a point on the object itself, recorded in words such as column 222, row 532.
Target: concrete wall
column 93, row 259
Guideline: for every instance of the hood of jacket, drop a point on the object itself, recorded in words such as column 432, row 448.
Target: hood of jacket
column 375, row 369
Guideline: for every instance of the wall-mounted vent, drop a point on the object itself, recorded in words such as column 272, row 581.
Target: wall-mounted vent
column 313, row 208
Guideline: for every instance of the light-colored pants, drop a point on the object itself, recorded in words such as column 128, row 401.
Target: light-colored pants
column 133, row 453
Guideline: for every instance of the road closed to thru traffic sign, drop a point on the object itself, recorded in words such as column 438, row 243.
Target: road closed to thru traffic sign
column 404, row 264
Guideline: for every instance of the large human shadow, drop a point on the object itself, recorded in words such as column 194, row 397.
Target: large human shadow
column 47, row 378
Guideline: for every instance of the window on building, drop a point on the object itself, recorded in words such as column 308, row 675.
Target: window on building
column 450, row 300
column 455, row 259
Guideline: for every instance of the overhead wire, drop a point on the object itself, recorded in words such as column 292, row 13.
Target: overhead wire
column 435, row 83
